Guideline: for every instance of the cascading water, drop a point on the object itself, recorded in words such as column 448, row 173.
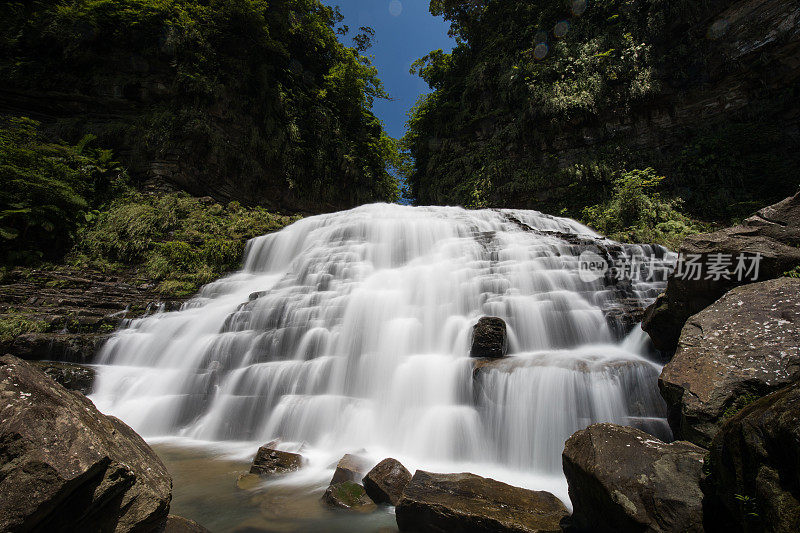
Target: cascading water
column 351, row 331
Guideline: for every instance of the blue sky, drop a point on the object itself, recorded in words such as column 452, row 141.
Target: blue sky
column 404, row 31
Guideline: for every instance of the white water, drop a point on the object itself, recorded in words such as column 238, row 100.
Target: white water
column 351, row 331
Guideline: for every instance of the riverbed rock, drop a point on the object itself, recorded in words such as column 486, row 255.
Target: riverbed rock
column 348, row 495
column 744, row 346
column 489, row 338
column 773, row 232
column 755, row 467
column 270, row 462
column 64, row 466
column 71, row 376
column 623, row 480
column 350, row 468
column 179, row 524
column 469, row 503
column 386, row 481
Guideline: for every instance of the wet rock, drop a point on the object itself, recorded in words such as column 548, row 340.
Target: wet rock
column 773, row 232
column 269, row 462
column 179, row 524
column 624, row 480
column 350, row 468
column 744, row 346
column 249, row 481
column 489, row 338
column 348, row 495
column 386, row 481
column 625, row 316
column 66, row 466
column 466, row 502
column 71, row 376
column 755, row 467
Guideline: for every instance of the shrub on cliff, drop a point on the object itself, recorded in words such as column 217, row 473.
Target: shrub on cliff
column 175, row 240
column 49, row 189
column 637, row 213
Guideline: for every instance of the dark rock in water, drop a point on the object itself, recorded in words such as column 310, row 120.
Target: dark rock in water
column 350, row 468
column 773, row 232
column 64, row 466
column 489, row 338
column 269, row 461
column 622, row 318
column 348, row 495
column 179, row 524
column 71, row 376
column 468, row 503
column 624, row 480
column 755, row 467
column 742, row 347
column 386, row 481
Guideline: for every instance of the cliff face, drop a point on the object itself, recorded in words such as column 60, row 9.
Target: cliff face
column 235, row 100
column 703, row 92
column 752, row 67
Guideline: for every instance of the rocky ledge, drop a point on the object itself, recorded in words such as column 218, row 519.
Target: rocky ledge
column 773, row 233
column 65, row 314
column 466, row 502
column 742, row 347
column 755, row 467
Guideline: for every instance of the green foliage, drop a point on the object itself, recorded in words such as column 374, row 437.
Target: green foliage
column 174, row 239
column 748, row 505
column 740, row 403
column 259, row 89
column 49, row 189
column 13, row 324
column 637, row 213
column 794, row 273
column 535, row 104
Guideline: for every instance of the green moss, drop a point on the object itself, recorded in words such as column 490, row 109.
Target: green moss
column 740, row 403
column 13, row 324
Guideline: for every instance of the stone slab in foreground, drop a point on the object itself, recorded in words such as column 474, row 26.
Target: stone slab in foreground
column 64, row 466
column 466, row 502
column 623, row 480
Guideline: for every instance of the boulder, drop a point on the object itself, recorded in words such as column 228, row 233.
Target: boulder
column 348, row 495
column 755, row 467
column 179, row 524
column 489, row 338
column 742, row 347
column 386, row 481
column 269, row 461
column 466, row 502
column 350, row 468
column 64, row 466
column 773, row 232
column 623, row 480
column 71, row 376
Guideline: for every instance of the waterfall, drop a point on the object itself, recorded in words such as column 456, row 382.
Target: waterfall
column 352, row 330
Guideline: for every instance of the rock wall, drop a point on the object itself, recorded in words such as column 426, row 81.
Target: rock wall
column 70, row 312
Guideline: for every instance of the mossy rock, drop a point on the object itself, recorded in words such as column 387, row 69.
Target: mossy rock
column 348, row 495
